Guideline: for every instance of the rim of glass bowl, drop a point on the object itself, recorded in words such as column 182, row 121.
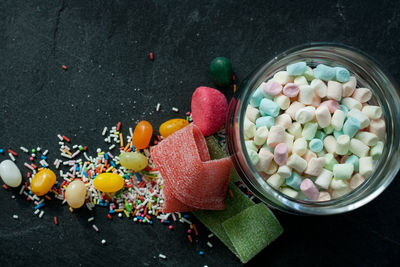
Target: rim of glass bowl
column 385, row 92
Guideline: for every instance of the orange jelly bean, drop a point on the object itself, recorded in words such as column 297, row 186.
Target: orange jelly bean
column 171, row 126
column 42, row 182
column 142, row 135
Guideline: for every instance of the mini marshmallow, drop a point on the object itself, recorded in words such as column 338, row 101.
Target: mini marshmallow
column 284, row 171
column 305, row 114
column 300, row 80
column 356, row 181
column 378, row 127
column 261, row 136
column 344, row 109
column 334, row 90
column 265, row 159
column 282, row 101
column 323, row 116
column 349, row 87
column 320, row 135
column 329, row 129
column 340, row 192
column 366, row 166
column 367, row 138
column 336, row 134
column 281, row 154
column 337, row 184
column 297, row 163
column 377, row 150
column 272, row 88
column 309, row 74
column 272, row 168
column 330, row 144
column 362, row 94
column 315, row 101
column 358, row 148
column 324, row 196
column 296, row 69
column 342, row 145
column 309, row 130
column 250, row 145
column 315, row 166
column 332, row 105
column 291, row 90
column 275, row 136
column 267, row 121
column 282, row 77
column 351, row 103
column 289, row 192
column 252, row 113
column 295, row 130
column 324, row 72
column 288, row 140
column 284, row 120
column 256, row 98
column 309, row 189
column 337, row 120
column 361, row 117
column 316, row 145
column 319, row 87
column 300, row 146
column 253, row 156
column 343, row 171
column 309, row 155
column 353, row 159
column 372, row 112
column 269, row 108
column 275, row 181
column 249, row 129
column 294, row 181
column 351, row 127
column 306, row 94
column 293, row 108
column 324, row 178
column 342, row 75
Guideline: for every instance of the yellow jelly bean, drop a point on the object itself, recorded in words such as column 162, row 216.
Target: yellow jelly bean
column 75, row 194
column 133, row 160
column 108, row 182
column 42, row 182
column 171, row 126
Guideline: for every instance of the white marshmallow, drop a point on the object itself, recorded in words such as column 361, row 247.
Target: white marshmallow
column 349, row 86
column 370, row 139
column 323, row 116
column 366, row 166
column 361, row 117
column 306, row 94
column 282, row 101
column 284, row 171
column 249, row 128
column 288, row 140
column 275, row 181
column 315, row 166
column 265, row 159
column 324, row 178
column 337, row 119
column 378, row 127
column 296, row 162
column 324, row 196
column 309, row 155
column 372, row 112
column 261, row 136
column 252, row 113
column 300, row 80
column 334, row 90
column 289, row 192
column 300, row 146
column 305, row 114
column 295, row 130
column 283, row 77
column 319, row 87
column 351, row 103
column 337, row 184
column 272, row 168
column 358, row 148
column 283, row 120
column 330, row 144
column 276, row 135
column 340, row 192
column 293, row 108
column 356, row 181
column 342, row 145
column 362, row 95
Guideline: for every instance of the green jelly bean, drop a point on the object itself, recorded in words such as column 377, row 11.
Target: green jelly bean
column 221, row 71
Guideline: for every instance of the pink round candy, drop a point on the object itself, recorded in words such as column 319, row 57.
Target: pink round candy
column 332, row 105
column 309, row 189
column 291, row 90
column 272, row 88
column 281, row 154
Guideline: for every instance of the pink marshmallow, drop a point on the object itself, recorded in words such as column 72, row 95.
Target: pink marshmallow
column 332, row 105
column 291, row 90
column 281, row 154
column 309, row 189
column 272, row 88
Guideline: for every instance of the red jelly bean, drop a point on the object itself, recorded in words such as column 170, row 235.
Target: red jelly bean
column 142, row 135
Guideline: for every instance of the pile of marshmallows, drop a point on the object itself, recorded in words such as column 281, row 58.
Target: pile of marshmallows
column 311, row 133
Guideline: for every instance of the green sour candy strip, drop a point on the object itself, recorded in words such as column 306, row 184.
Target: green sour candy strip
column 235, row 226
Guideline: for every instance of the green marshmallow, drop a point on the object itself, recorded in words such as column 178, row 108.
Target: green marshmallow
column 376, row 150
column 320, row 135
column 329, row 129
column 253, row 155
column 309, row 74
column 343, row 171
column 309, row 130
column 250, row 145
column 221, row 71
column 353, row 159
column 330, row 161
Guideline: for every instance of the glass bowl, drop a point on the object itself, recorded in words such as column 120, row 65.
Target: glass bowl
column 369, row 74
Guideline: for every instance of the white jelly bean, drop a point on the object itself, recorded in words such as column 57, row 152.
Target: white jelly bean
column 10, row 174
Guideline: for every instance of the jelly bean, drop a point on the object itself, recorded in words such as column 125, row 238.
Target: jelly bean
column 221, row 71
column 75, row 194
column 171, row 126
column 42, row 182
column 133, row 160
column 10, row 174
column 108, row 182
column 142, row 135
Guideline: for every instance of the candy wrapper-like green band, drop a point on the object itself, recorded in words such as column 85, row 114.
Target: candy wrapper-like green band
column 244, row 227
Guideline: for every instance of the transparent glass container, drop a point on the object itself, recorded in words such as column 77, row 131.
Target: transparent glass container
column 370, row 75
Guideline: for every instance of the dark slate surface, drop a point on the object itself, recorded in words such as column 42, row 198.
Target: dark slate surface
column 105, row 45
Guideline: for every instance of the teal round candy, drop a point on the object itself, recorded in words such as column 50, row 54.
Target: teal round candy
column 221, row 71
column 316, row 145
